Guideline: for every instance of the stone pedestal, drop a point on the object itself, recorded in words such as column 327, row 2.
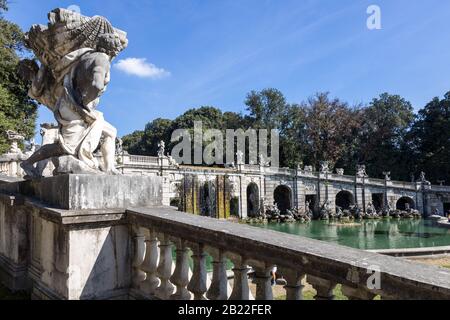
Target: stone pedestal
column 83, row 192
column 67, row 237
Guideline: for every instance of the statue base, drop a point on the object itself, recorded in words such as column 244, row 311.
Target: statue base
column 87, row 191
column 71, row 165
column 68, row 237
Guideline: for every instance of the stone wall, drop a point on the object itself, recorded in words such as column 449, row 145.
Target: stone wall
column 75, row 247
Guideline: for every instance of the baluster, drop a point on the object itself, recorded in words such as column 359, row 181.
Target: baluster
column 180, row 277
column 197, row 285
column 164, row 270
column 294, row 287
column 150, row 264
column 139, row 255
column 218, row 290
column 353, row 293
column 241, row 290
column 263, row 280
column 323, row 287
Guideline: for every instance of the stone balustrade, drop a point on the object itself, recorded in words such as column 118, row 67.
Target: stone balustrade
column 159, row 231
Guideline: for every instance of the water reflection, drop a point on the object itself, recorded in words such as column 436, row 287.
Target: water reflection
column 371, row 234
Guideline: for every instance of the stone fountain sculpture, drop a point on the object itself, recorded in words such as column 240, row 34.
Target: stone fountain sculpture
column 15, row 138
column 75, row 54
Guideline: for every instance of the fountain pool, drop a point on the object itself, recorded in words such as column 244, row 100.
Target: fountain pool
column 370, row 234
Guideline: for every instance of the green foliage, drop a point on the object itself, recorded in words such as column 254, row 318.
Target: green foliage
column 430, row 139
column 386, row 122
column 267, row 108
column 17, row 111
column 385, row 135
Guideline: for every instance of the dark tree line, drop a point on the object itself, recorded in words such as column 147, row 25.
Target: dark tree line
column 17, row 111
column 385, row 135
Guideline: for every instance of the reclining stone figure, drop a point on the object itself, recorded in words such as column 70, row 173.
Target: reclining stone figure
column 75, row 54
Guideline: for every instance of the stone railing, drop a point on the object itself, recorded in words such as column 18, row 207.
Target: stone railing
column 404, row 185
column 10, row 166
column 157, row 231
column 141, row 160
column 445, row 189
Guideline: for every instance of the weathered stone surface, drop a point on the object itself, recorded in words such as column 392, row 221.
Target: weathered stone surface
column 78, row 192
column 337, row 264
column 75, row 54
column 71, row 165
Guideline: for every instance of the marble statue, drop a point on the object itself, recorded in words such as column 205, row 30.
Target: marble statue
column 370, row 210
column 173, row 162
column 325, row 167
column 75, row 54
column 387, row 175
column 361, row 171
column 15, row 138
column 161, row 149
column 340, row 171
column 119, row 146
column 423, row 177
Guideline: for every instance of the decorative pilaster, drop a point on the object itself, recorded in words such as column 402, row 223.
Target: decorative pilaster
column 197, row 285
column 150, row 264
column 139, row 255
column 219, row 283
column 263, row 280
column 165, row 289
column 241, row 290
column 324, row 288
column 180, row 277
column 294, row 287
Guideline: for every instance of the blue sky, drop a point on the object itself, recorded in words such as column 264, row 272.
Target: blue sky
column 213, row 52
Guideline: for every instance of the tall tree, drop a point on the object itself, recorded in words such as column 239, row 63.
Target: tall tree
column 430, row 136
column 330, row 128
column 17, row 111
column 386, row 122
column 267, row 108
column 132, row 142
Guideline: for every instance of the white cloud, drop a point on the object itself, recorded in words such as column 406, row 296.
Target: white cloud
column 141, row 68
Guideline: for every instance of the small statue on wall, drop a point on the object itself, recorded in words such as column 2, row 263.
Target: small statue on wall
column 15, row 138
column 361, row 171
column 325, row 167
column 161, row 149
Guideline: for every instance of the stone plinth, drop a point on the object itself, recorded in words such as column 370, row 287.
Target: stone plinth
column 80, row 192
column 67, row 237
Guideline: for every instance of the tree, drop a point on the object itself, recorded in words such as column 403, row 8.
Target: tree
column 430, row 139
column 132, row 142
column 381, row 146
column 331, row 127
column 267, row 108
column 155, row 131
column 293, row 137
column 17, row 111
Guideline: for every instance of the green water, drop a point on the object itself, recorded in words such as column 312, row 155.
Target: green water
column 370, row 234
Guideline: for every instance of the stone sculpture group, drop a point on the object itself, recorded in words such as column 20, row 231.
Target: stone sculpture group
column 75, row 54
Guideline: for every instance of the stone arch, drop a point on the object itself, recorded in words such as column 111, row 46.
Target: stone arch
column 344, row 199
column 403, row 201
column 283, row 198
column 253, row 207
